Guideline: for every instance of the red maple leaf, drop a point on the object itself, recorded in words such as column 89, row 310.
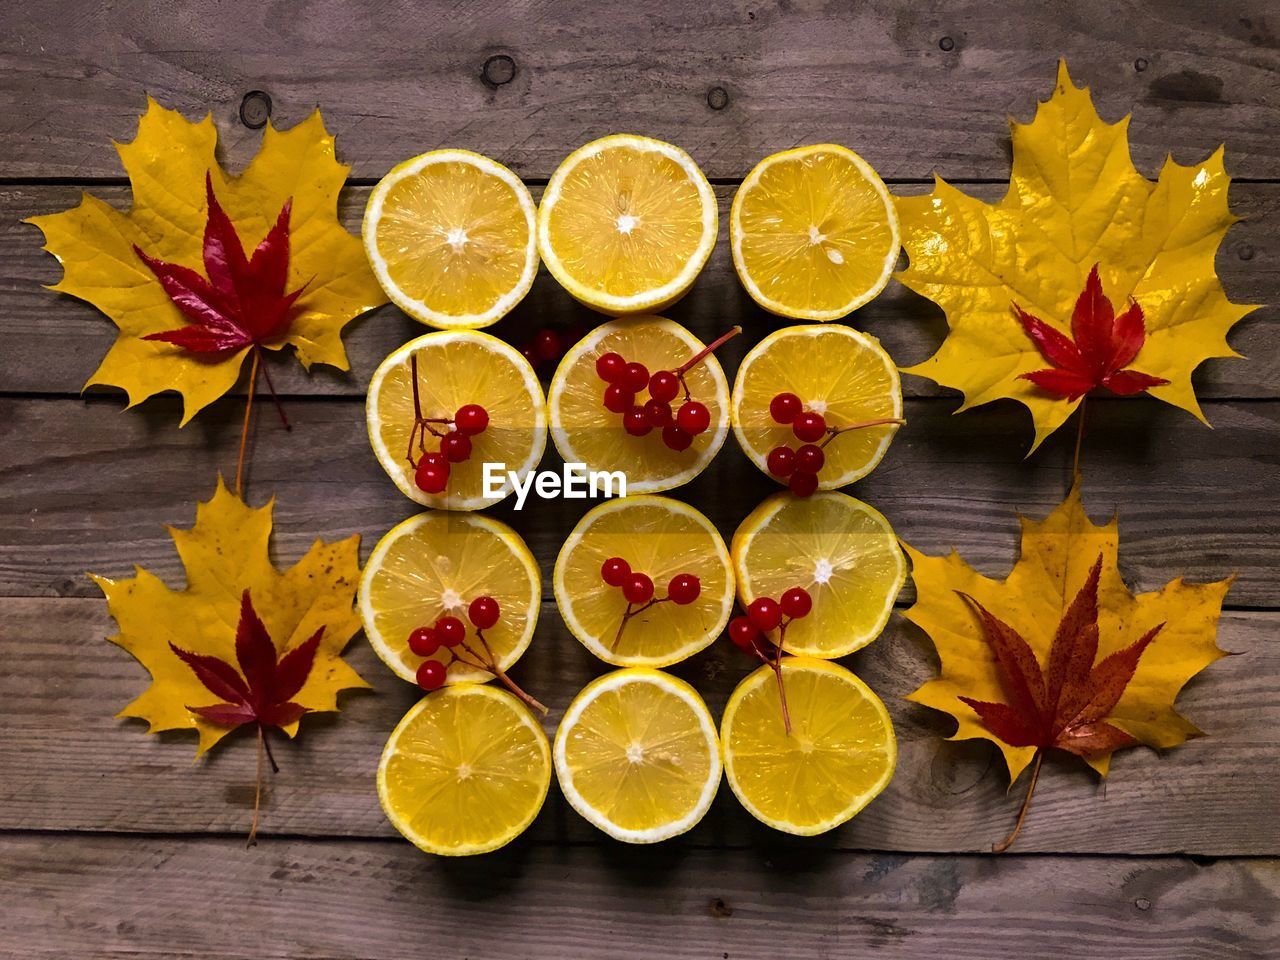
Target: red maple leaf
column 1064, row 707
column 262, row 690
column 1103, row 346
column 243, row 301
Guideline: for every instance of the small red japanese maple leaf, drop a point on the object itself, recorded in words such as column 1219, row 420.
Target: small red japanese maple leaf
column 262, row 690
column 1103, row 347
column 1064, row 707
column 243, row 300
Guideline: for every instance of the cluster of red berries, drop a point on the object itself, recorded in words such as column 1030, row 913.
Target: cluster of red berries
column 449, row 632
column 431, row 473
column 548, row 345
column 638, row 589
column 798, row 467
column 765, row 614
column 626, row 380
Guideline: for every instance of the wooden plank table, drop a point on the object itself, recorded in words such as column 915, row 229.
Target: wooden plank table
column 113, row 844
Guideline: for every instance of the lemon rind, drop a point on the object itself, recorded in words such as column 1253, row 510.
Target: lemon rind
column 392, row 462
column 459, row 673
column 706, row 724
column 467, row 850
column 417, row 308
column 735, row 236
column 649, row 300
column 563, row 592
column 764, row 674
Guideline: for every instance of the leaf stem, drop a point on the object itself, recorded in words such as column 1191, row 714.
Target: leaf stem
column 266, row 372
column 1026, row 804
column 244, row 428
column 257, row 790
column 1075, row 462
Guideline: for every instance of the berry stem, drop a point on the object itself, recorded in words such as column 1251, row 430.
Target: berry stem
column 706, row 351
column 833, row 432
column 1022, row 813
column 244, row 428
column 617, row 638
column 421, row 425
column 489, row 662
column 266, row 372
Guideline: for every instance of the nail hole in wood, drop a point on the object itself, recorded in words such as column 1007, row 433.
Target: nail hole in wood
column 498, row 70
column 1142, row 903
column 1245, row 252
column 255, row 109
column 717, row 98
column 1140, row 64
column 946, row 44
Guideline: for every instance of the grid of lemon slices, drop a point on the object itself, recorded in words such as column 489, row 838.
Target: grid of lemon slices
column 625, row 225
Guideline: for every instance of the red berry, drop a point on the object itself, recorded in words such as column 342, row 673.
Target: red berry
column 659, row 413
column 796, row 603
column 810, row 458
column 431, row 479
column 693, row 417
column 610, row 367
column 434, row 461
column 765, row 613
column 471, row 419
column 743, row 633
column 684, row 588
column 785, row 407
column 638, row 588
column 547, row 344
column 781, row 461
column 615, row 571
column 528, row 353
column 803, row 483
column 636, row 377
column 675, row 438
column 451, row 631
column 618, row 399
column 424, row 641
column 664, row 385
column 636, row 422
column 431, row 675
column 455, row 446
column 483, row 612
column 809, row 426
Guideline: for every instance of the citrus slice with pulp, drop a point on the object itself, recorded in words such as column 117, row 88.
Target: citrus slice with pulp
column 465, row 771
column 585, row 431
column 637, row 755
column 835, row 371
column 842, row 551
column 457, row 369
column 814, row 233
column 435, row 564
column 451, row 238
column 840, row 754
column 657, row 538
column 627, row 223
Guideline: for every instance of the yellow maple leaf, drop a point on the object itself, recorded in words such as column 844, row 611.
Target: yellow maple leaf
column 1074, row 200
column 224, row 554
column 167, row 164
column 1056, row 558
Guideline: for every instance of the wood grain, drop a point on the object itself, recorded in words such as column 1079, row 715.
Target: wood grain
column 65, row 764
column 87, row 487
column 173, row 897
column 54, row 342
column 913, row 86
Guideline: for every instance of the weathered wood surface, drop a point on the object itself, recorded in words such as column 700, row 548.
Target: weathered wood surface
column 913, row 86
column 63, row 685
column 130, row 897
column 88, row 487
column 53, row 343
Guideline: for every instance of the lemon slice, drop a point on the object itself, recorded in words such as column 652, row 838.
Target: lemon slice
column 834, row 370
column 659, row 538
column 814, row 233
column 627, row 223
column 840, row 754
column 637, row 755
column 840, row 550
column 435, row 564
column 456, row 369
column 450, row 235
column 585, row 432
column 465, row 771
